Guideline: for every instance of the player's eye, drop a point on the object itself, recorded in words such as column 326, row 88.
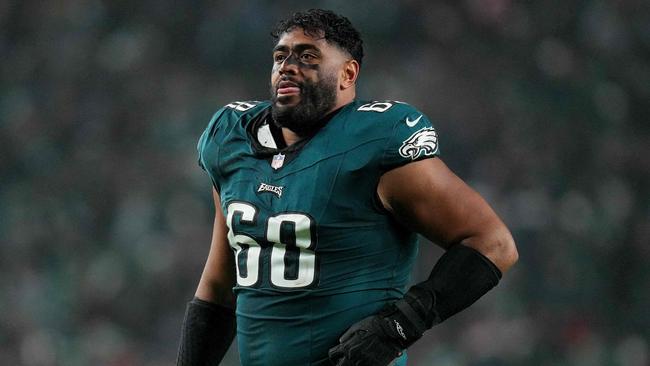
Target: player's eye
column 307, row 57
column 279, row 57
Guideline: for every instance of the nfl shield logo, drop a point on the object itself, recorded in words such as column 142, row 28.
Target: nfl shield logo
column 278, row 161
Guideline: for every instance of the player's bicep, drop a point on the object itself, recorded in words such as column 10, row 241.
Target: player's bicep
column 429, row 198
column 218, row 276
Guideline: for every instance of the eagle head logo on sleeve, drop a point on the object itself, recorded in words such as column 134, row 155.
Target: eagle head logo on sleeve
column 423, row 141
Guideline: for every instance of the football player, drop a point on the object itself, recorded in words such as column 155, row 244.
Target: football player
column 319, row 197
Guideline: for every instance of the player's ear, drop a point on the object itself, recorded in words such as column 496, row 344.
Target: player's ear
column 349, row 74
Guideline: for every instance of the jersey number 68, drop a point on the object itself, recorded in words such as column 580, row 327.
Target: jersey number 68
column 289, row 253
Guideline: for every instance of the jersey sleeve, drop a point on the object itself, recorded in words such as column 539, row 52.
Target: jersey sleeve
column 413, row 138
column 209, row 132
column 210, row 147
column 222, row 119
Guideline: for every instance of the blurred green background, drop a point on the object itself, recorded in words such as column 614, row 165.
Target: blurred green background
column 105, row 217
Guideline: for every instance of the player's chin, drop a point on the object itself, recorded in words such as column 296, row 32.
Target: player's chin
column 287, row 100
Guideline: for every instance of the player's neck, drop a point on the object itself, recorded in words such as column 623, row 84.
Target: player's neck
column 290, row 137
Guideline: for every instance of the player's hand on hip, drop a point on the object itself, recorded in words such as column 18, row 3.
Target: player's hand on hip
column 370, row 342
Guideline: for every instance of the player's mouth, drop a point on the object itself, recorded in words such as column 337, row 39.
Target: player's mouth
column 286, row 88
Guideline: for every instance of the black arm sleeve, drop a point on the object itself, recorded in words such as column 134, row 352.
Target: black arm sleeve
column 208, row 331
column 459, row 278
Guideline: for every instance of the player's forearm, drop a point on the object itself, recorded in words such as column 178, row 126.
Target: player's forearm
column 218, row 277
column 216, row 293
column 459, row 278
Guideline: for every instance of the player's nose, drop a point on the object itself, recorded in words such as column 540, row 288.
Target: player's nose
column 289, row 65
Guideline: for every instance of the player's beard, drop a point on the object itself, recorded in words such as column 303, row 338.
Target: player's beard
column 308, row 116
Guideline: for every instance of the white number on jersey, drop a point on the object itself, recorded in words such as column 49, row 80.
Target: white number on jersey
column 248, row 251
column 243, row 106
column 375, row 107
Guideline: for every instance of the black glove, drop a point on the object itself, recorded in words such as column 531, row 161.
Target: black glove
column 377, row 340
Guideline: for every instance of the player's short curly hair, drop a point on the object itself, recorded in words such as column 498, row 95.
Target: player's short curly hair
column 336, row 29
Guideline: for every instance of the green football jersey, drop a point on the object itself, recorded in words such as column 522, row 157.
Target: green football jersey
column 315, row 251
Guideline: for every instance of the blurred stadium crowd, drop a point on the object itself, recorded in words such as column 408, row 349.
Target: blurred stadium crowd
column 105, row 217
